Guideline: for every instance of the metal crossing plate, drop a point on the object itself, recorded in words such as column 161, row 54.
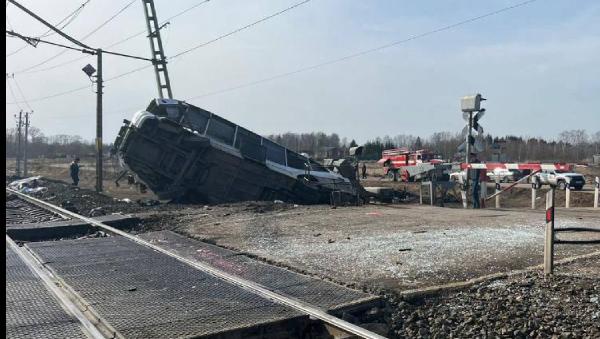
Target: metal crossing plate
column 146, row 294
column 31, row 310
column 311, row 290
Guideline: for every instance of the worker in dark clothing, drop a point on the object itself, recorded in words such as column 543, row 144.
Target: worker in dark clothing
column 364, row 171
column 74, row 170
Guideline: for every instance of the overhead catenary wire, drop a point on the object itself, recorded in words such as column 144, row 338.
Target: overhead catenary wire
column 239, row 29
column 69, row 19
column 364, row 52
column 12, row 93
column 21, row 92
column 135, row 70
column 326, row 63
column 144, row 31
column 95, row 30
column 83, row 50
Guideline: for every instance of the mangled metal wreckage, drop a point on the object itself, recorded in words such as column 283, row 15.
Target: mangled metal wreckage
column 182, row 152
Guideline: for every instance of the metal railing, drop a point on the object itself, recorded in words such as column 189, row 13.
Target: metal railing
column 550, row 233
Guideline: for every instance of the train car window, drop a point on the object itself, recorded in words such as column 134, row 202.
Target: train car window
column 196, row 119
column 221, row 129
column 295, row 160
column 249, row 145
column 275, row 152
column 244, row 136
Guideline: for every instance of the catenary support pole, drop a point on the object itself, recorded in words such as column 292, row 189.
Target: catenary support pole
column 25, row 145
column 19, row 125
column 549, row 234
column 99, row 85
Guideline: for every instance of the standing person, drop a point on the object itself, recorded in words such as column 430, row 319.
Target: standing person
column 364, row 171
column 74, row 170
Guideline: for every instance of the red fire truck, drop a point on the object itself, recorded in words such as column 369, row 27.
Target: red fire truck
column 410, row 165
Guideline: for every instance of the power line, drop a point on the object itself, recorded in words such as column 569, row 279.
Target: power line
column 83, row 38
column 364, row 52
column 117, row 42
column 70, row 17
column 333, row 61
column 52, row 95
column 22, row 95
column 89, row 50
column 16, row 102
column 193, row 48
column 239, row 29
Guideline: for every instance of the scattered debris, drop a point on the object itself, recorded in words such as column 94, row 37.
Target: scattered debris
column 31, row 185
column 147, row 202
column 96, row 212
column 68, row 205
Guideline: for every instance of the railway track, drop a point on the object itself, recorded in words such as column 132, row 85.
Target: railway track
column 19, row 211
column 44, row 211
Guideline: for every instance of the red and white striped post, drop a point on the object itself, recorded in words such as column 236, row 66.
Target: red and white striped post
column 549, row 235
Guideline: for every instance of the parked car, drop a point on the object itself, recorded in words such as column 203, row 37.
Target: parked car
column 502, row 174
column 560, row 179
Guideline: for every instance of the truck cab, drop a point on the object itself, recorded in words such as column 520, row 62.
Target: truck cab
column 560, row 179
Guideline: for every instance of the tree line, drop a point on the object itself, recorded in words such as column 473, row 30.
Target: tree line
column 54, row 146
column 569, row 146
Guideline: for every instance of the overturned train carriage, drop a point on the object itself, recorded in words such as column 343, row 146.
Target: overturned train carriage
column 183, row 152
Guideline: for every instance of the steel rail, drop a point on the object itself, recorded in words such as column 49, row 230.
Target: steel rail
column 51, row 285
column 251, row 286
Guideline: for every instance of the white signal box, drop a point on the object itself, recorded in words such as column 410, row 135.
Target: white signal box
column 471, row 103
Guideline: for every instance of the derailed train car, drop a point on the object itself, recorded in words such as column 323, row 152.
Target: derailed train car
column 182, row 152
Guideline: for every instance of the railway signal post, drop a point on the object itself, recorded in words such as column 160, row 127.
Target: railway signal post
column 549, row 234
column 472, row 113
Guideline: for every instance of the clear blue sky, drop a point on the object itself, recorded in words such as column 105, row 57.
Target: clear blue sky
column 535, row 64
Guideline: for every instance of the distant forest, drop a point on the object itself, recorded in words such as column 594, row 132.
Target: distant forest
column 568, row 146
